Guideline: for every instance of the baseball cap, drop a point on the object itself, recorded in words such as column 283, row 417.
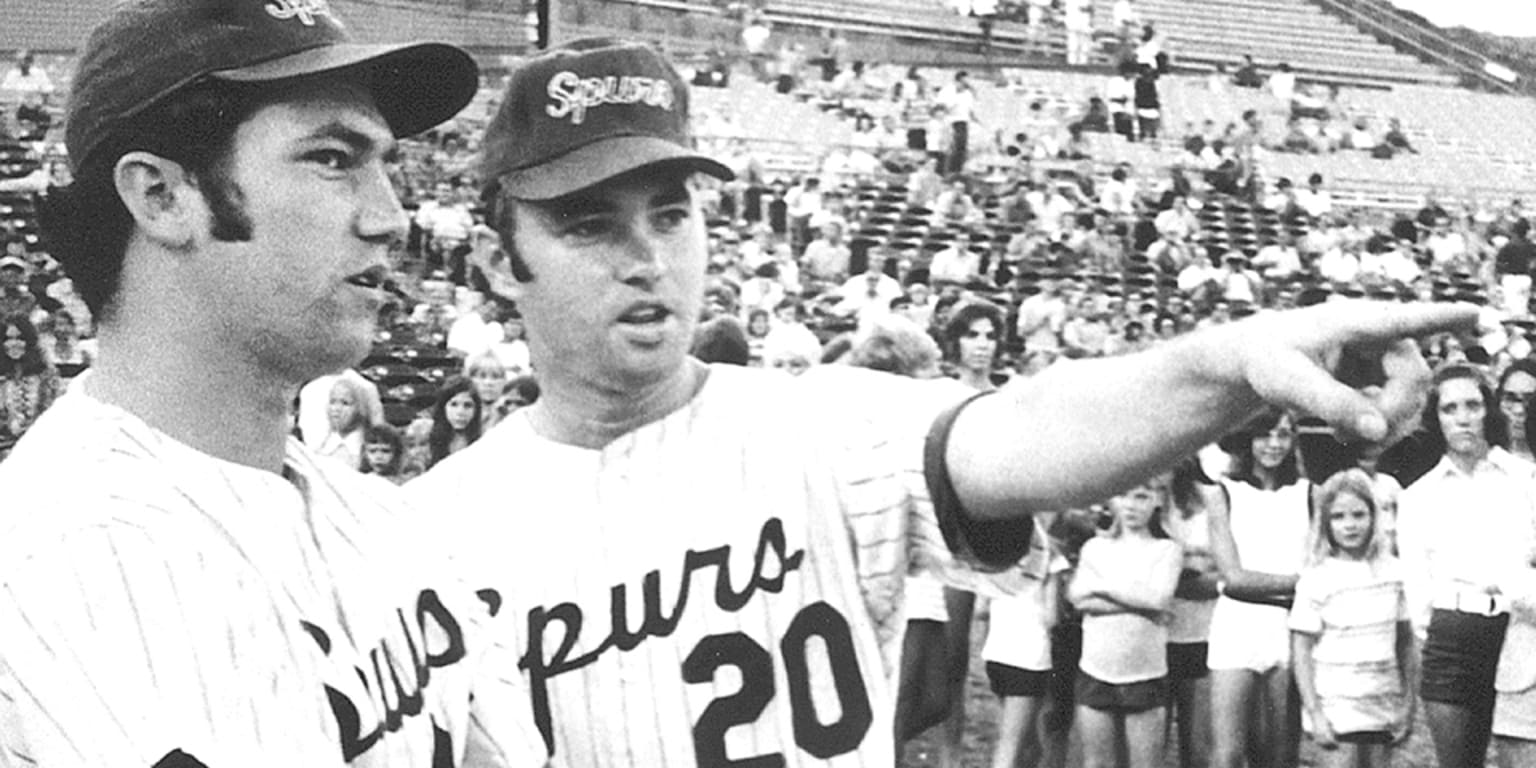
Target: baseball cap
column 13, row 261
column 586, row 112
column 147, row 50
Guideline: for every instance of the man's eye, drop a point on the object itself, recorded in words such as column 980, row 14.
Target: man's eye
column 333, row 159
column 672, row 217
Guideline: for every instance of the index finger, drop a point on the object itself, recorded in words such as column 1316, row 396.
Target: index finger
column 1361, row 321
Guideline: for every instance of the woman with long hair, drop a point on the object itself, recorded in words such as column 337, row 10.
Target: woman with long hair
column 353, row 406
column 456, row 419
column 28, row 382
column 1258, row 539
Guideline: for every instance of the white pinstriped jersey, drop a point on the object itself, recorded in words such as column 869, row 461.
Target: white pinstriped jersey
column 154, row 598
column 721, row 585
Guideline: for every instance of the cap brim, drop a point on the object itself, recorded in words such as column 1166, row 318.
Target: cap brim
column 415, row 85
column 602, row 160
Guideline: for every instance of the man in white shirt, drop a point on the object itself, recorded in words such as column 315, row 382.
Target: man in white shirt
column 1464, row 533
column 827, row 257
column 959, row 100
column 1314, row 199
column 956, row 264
column 1279, row 260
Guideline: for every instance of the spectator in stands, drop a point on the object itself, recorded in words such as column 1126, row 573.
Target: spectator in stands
column 383, row 453
column 721, row 339
column 1314, row 200
column 1247, row 74
column 1239, row 283
column 1087, row 332
column 956, row 264
column 445, row 220
column 1448, row 247
column 1119, row 195
column 869, row 294
column 1177, row 221
column 826, row 258
column 1282, row 84
column 755, row 36
column 351, row 407
column 489, row 376
column 457, row 419
column 1151, row 52
column 15, row 298
column 27, row 77
column 1078, row 18
column 33, row 118
column 1517, row 384
column 28, row 382
column 477, row 328
column 956, row 206
column 959, row 102
column 1513, row 266
column 1200, row 281
column 925, row 185
column 520, row 392
column 1120, row 93
column 1042, row 316
column 64, row 347
column 1279, row 261
column 1149, row 110
column 894, row 344
column 1394, row 141
column 1465, row 540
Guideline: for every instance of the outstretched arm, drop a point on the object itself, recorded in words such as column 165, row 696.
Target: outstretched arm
column 1083, row 429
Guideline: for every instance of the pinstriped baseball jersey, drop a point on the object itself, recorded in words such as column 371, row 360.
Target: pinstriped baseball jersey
column 722, row 586
column 154, row 598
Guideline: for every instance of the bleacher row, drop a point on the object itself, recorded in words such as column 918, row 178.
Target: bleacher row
column 1459, row 157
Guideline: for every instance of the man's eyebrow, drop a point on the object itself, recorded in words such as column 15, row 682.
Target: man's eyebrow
column 355, row 139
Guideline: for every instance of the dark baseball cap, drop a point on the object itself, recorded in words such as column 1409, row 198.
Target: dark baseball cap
column 147, row 50
column 585, row 112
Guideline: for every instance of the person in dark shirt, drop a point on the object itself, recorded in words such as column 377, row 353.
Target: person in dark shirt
column 1247, row 76
column 1513, row 266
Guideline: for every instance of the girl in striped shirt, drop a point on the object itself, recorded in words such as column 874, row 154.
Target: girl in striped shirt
column 1350, row 639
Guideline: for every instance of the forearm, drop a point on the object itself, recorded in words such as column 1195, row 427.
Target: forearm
column 1263, row 588
column 1301, row 661
column 1083, row 429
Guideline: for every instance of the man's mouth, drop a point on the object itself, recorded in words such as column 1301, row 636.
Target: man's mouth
column 645, row 314
column 373, row 277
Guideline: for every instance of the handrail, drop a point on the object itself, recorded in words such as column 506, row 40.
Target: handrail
column 1425, row 41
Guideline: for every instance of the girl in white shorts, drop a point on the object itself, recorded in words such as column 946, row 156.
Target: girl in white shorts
column 1258, row 539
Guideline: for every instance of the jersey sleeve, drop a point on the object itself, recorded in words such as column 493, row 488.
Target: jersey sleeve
column 119, row 649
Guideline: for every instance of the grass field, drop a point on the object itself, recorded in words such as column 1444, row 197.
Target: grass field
column 981, row 727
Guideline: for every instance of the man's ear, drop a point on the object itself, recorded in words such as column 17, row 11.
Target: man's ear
column 162, row 197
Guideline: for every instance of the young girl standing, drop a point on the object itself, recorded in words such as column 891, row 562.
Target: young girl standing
column 1124, row 585
column 1351, row 641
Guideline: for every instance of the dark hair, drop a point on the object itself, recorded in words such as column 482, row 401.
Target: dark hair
column 526, row 387
column 441, row 435
column 961, row 320
column 382, row 433
column 721, row 340
column 1183, row 487
column 1495, row 430
column 32, row 361
column 1288, row 472
column 1524, row 365
column 87, row 226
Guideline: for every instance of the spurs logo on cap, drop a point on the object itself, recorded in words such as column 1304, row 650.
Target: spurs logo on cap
column 303, row 10
column 572, row 95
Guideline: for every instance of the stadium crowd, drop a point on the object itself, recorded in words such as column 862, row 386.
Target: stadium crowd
column 936, row 245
